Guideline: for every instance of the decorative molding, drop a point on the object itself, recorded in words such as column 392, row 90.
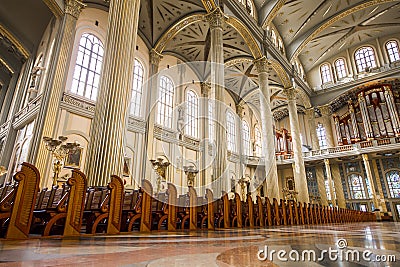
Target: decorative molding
column 216, row 18
column 14, row 41
column 273, row 13
column 4, row 64
column 54, row 7
column 28, row 113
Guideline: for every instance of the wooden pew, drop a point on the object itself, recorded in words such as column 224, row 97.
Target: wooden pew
column 282, row 207
column 259, row 213
column 226, row 210
column 24, row 202
column 132, row 210
column 193, row 212
column 277, row 215
column 145, row 222
column 269, row 213
column 210, row 209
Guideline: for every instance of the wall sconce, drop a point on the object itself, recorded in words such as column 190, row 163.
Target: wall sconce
column 160, row 166
column 190, row 172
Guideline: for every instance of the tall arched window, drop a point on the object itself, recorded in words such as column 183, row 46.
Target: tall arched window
column 258, row 147
column 246, row 138
column 165, row 104
column 356, row 186
column 326, row 73
column 340, row 68
column 393, row 181
column 192, row 113
column 231, row 131
column 393, row 51
column 321, row 136
column 365, row 57
column 87, row 71
column 273, row 37
column 136, row 99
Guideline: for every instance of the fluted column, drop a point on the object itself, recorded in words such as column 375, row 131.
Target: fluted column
column 337, row 179
column 107, row 134
column 310, row 113
column 204, row 134
column 382, row 204
column 299, row 170
column 321, row 185
column 220, row 176
column 47, row 118
column 239, row 138
column 326, row 121
column 268, row 135
column 354, row 122
column 150, row 115
column 370, row 178
column 394, row 116
column 330, row 181
column 365, row 116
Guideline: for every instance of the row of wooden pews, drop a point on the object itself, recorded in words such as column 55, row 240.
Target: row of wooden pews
column 76, row 209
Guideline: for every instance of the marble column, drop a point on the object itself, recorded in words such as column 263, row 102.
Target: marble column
column 47, row 119
column 310, row 113
column 268, row 135
column 370, row 178
column 382, row 203
column 205, row 177
column 321, row 185
column 365, row 116
column 150, row 115
column 391, row 105
column 354, row 122
column 107, row 145
column 326, row 121
column 239, row 138
column 299, row 170
column 216, row 20
column 337, row 129
column 337, row 179
column 330, row 181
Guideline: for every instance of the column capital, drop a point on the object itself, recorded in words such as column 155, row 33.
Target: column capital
column 290, row 93
column 327, row 162
column 155, row 57
column 74, row 7
column 365, row 157
column 351, row 107
column 239, row 110
column 310, row 112
column 216, row 18
column 205, row 88
column 361, row 97
column 325, row 110
column 261, row 64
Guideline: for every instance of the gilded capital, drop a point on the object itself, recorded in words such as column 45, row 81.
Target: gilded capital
column 325, row 110
column 155, row 57
column 326, row 161
column 239, row 110
column 310, row 112
column 365, row 157
column 74, row 7
column 216, row 18
column 361, row 97
column 261, row 64
column 290, row 93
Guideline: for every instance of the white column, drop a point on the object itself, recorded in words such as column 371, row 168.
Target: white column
column 220, row 176
column 365, row 116
column 107, row 134
column 354, row 122
column 205, row 176
column 330, row 181
column 299, row 170
column 370, row 178
column 341, row 201
column 268, row 135
column 313, row 128
column 321, row 185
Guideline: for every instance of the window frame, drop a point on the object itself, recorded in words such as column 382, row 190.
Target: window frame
column 192, row 114
column 231, row 131
column 165, row 108
column 396, row 54
column 136, row 107
column 369, row 60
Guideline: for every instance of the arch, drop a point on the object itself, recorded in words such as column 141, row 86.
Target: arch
column 312, row 33
column 272, row 14
column 246, row 35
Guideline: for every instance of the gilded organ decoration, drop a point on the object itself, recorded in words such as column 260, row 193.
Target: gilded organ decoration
column 283, row 142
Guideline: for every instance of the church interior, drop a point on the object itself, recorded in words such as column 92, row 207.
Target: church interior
column 167, row 133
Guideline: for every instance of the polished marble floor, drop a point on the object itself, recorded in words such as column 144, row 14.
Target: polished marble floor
column 318, row 245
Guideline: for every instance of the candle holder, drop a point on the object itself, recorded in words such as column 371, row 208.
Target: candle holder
column 59, row 150
column 160, row 166
column 190, row 172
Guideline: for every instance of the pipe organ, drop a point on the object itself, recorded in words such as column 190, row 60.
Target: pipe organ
column 372, row 115
column 283, row 142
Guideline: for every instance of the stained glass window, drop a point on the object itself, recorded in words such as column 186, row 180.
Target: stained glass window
column 393, row 180
column 356, row 186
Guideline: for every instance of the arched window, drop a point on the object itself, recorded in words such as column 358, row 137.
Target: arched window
column 136, row 99
column 192, row 113
column 258, row 147
column 165, row 104
column 356, row 186
column 340, row 68
column 393, row 181
column 87, row 71
column 231, row 131
column 365, row 57
column 321, row 136
column 326, row 73
column 393, row 51
column 246, row 138
column 273, row 37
